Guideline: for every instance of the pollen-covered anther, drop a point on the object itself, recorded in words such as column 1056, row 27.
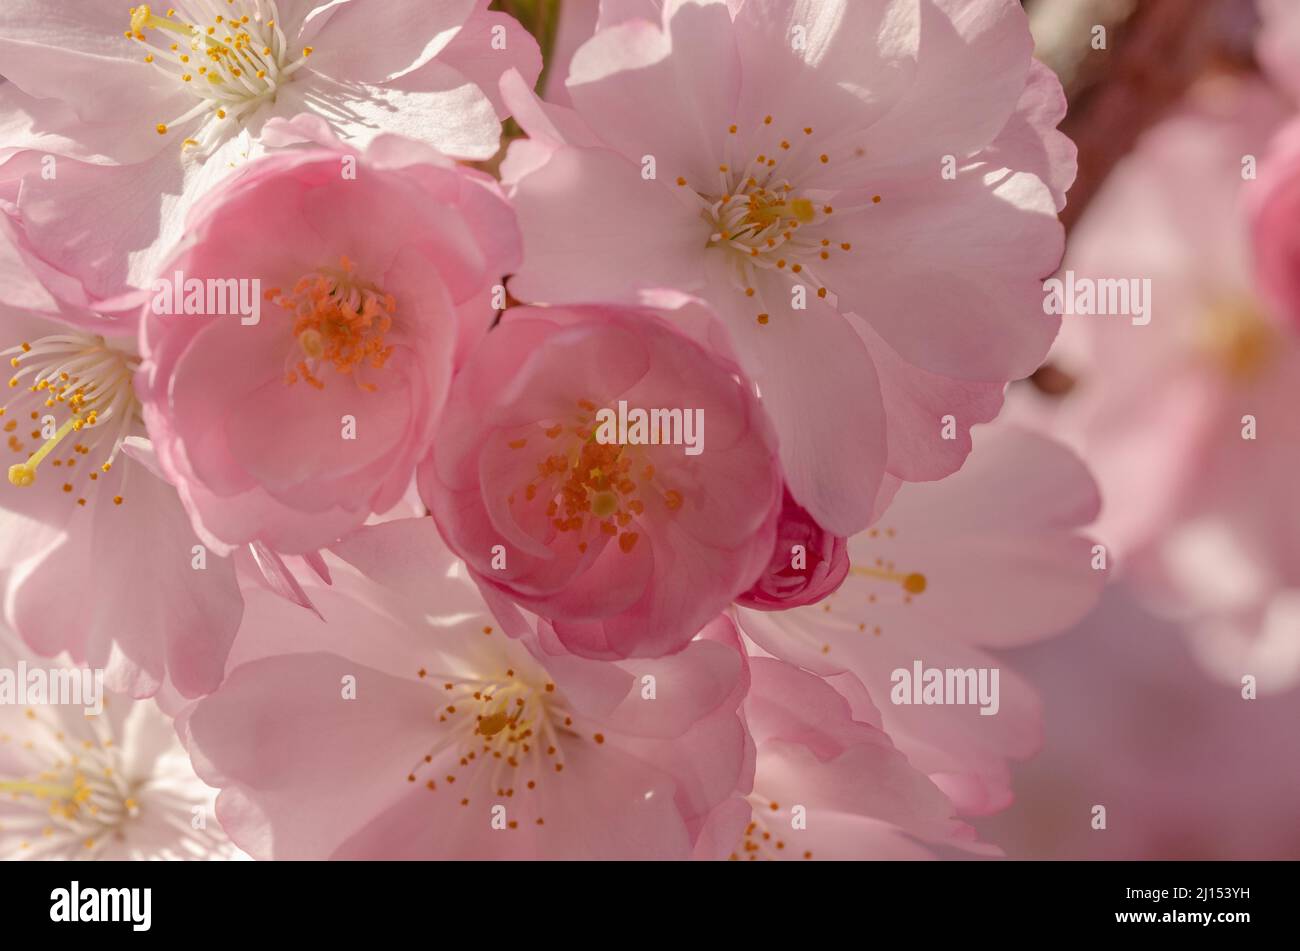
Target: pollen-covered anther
column 82, row 376
column 340, row 322
column 245, row 59
column 912, row 582
column 512, row 724
column 587, row 489
column 763, row 213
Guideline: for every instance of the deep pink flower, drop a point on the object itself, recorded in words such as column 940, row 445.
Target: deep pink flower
column 628, row 548
column 892, row 168
column 292, row 428
column 459, row 742
column 807, row 564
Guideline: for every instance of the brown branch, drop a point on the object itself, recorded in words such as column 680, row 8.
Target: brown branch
column 1153, row 55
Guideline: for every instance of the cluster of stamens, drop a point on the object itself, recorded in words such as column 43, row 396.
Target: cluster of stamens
column 339, row 322
column 758, row 211
column 1238, row 339
column 507, row 722
column 231, row 61
column 82, row 797
column 592, row 487
column 82, row 376
column 78, row 802
column 760, row 841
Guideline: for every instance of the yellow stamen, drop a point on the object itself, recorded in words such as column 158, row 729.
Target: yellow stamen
column 912, row 582
column 24, row 473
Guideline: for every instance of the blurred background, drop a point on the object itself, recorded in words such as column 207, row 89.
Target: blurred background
column 1176, row 703
column 1177, row 121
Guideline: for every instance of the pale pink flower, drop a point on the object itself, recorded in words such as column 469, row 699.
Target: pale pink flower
column 828, row 782
column 628, row 548
column 111, row 785
column 147, row 107
column 991, row 557
column 1199, row 518
column 27, row 282
column 292, row 429
column 85, row 528
column 892, row 167
column 459, row 742
column 577, row 21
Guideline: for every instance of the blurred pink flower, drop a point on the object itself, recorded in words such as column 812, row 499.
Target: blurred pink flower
column 1189, row 420
column 147, row 108
column 895, row 162
column 458, row 742
column 628, row 548
column 1185, row 767
column 1278, row 43
column 990, row 557
column 293, row 427
column 113, row 785
column 1275, row 225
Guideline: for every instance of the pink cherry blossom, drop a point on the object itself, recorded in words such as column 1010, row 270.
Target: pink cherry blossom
column 991, row 557
column 79, row 784
column 86, row 527
column 459, row 742
column 828, row 782
column 807, row 564
column 866, row 192
column 148, row 107
column 629, row 548
column 293, row 428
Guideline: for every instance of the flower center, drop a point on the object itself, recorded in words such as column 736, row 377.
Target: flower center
column 79, row 803
column 509, row 722
column 592, row 489
column 757, row 211
column 82, row 376
column 1238, row 339
column 762, row 838
column 339, row 322
column 84, row 795
column 231, row 62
